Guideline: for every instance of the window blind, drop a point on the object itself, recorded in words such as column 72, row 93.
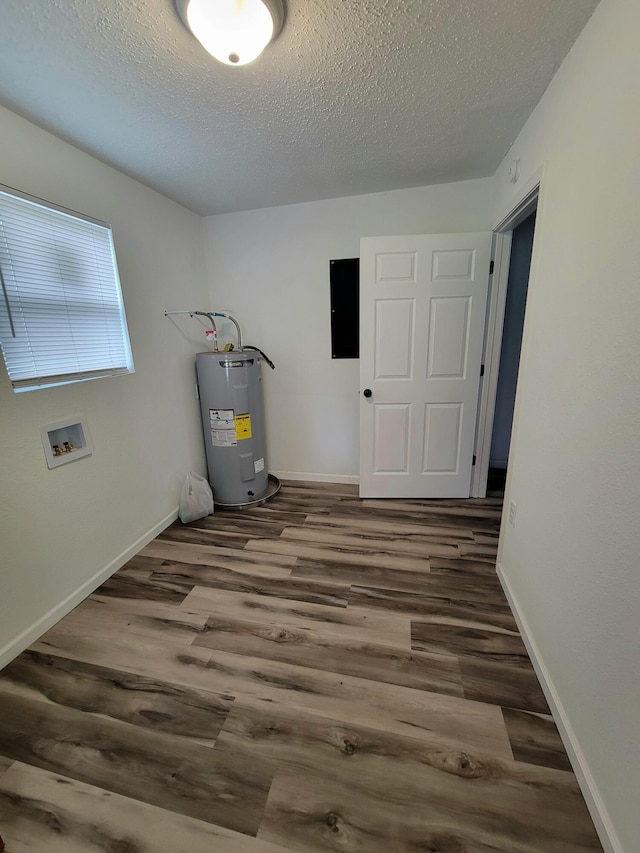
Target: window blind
column 62, row 317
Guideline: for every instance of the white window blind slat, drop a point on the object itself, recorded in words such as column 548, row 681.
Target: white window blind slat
column 61, row 312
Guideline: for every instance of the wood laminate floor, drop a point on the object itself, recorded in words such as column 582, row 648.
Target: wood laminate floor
column 318, row 674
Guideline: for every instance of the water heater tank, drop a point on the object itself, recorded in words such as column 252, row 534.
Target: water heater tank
column 230, row 386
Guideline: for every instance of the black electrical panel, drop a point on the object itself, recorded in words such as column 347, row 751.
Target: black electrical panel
column 345, row 308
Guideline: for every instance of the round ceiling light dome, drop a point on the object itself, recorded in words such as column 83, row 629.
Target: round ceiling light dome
column 233, row 31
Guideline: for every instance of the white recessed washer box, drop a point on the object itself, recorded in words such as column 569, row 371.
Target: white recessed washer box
column 65, row 441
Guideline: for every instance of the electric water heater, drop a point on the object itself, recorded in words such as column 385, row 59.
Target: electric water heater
column 232, row 407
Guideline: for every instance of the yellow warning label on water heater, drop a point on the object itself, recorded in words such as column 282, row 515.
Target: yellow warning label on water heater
column 243, row 427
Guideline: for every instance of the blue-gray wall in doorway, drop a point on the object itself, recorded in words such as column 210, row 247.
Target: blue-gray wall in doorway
column 519, row 266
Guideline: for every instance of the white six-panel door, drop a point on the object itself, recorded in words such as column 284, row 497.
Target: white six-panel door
column 422, row 311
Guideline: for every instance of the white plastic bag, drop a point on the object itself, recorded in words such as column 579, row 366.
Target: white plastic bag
column 196, row 498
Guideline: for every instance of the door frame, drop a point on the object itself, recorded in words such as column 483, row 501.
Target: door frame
column 523, row 207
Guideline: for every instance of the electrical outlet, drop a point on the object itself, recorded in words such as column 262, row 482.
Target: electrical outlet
column 512, row 514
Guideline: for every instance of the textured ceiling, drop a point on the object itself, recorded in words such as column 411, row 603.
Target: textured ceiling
column 353, row 97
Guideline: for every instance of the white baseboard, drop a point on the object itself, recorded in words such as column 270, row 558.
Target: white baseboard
column 23, row 640
column 317, row 478
column 595, row 804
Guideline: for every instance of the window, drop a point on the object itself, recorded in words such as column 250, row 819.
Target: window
column 61, row 311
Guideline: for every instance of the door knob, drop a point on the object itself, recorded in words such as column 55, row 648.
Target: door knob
column 367, row 392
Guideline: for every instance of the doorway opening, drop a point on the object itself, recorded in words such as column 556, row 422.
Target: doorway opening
column 501, row 269
column 517, row 284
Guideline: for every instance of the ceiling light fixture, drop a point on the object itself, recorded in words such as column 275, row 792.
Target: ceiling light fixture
column 233, row 31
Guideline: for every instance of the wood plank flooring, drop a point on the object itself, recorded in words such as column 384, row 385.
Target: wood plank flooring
column 318, row 674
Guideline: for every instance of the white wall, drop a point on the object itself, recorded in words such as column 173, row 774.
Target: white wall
column 60, row 528
column 271, row 268
column 571, row 562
